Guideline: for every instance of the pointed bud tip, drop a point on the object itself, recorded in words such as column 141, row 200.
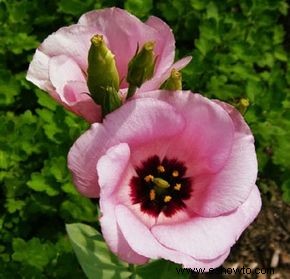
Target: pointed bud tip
column 244, row 102
column 174, row 82
column 141, row 67
column 149, row 46
column 175, row 74
column 97, row 40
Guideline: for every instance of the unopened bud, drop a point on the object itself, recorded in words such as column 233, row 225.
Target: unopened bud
column 103, row 77
column 111, row 101
column 243, row 105
column 141, row 67
column 102, row 70
column 174, row 82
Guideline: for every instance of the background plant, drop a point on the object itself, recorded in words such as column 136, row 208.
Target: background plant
column 239, row 48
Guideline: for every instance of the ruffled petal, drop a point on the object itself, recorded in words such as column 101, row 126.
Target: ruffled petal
column 143, row 242
column 140, row 122
column 62, row 70
column 208, row 238
column 216, row 194
column 228, row 189
column 38, row 71
column 205, row 143
column 72, row 41
column 83, row 157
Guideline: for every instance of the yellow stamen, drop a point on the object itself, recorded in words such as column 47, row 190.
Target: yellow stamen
column 161, row 183
column 149, row 178
column 167, row 198
column 175, row 173
column 161, row 168
column 177, row 186
column 152, row 195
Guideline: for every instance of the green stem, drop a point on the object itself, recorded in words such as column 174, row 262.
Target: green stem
column 132, row 268
column 131, row 91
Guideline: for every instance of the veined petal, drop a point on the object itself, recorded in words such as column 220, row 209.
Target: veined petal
column 72, row 41
column 147, row 245
column 38, row 71
column 207, row 238
column 83, row 157
column 207, row 139
column 62, row 70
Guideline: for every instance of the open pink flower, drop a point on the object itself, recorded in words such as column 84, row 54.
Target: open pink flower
column 177, row 176
column 60, row 63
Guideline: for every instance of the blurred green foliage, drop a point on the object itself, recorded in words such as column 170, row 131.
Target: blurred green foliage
column 239, row 48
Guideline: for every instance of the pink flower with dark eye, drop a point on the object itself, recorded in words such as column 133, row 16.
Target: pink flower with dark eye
column 59, row 65
column 176, row 173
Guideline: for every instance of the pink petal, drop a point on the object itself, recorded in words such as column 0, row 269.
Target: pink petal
column 207, row 238
column 116, row 187
column 114, row 237
column 114, row 162
column 209, row 131
column 38, row 71
column 72, row 41
column 225, row 191
column 165, row 44
column 83, row 157
column 143, row 121
column 143, row 242
column 63, row 69
column 215, row 194
column 241, row 127
column 157, row 81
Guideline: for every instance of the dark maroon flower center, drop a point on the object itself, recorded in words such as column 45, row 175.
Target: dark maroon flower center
column 160, row 186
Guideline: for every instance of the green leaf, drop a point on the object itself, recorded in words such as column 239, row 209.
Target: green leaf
column 93, row 254
column 140, row 8
column 32, row 252
column 212, row 11
column 286, row 190
column 45, row 100
column 40, row 183
column 75, row 7
column 160, row 269
column 14, row 205
column 198, row 4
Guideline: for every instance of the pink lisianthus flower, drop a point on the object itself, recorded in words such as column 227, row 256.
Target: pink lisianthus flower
column 60, row 63
column 176, row 173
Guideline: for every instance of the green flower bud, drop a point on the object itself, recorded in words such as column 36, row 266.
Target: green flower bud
column 174, row 82
column 111, row 101
column 141, row 67
column 103, row 77
column 243, row 105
